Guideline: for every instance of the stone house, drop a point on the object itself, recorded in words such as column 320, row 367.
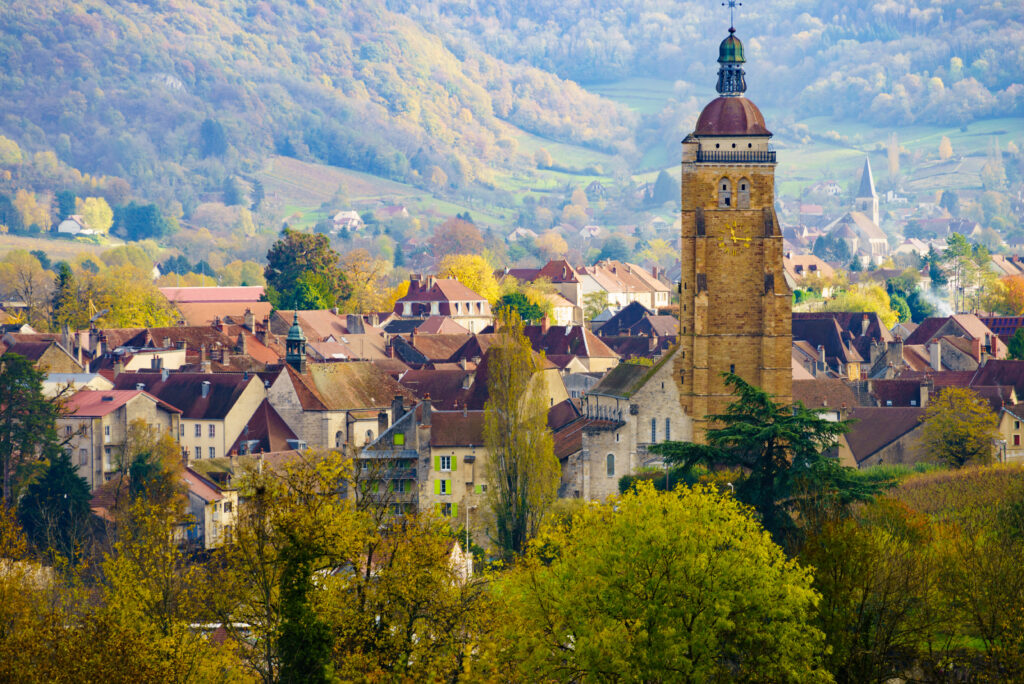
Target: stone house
column 215, row 406
column 883, row 436
column 46, row 355
column 630, row 409
column 445, row 297
column 213, row 510
column 95, row 424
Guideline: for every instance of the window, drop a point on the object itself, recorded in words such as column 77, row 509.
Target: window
column 1016, row 425
column 668, row 429
column 199, row 453
column 654, row 429
column 446, row 487
column 724, row 193
column 339, row 438
column 446, row 510
column 401, row 486
column 199, row 430
column 888, row 402
column 213, row 430
column 611, row 465
column 227, row 506
column 743, row 197
column 83, row 456
column 1016, row 440
column 67, row 430
column 106, row 430
column 369, row 436
column 617, row 436
column 732, row 367
column 213, row 452
column 399, row 439
column 181, row 429
column 446, row 463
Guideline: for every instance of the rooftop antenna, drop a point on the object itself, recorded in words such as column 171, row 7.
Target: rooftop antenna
column 732, row 5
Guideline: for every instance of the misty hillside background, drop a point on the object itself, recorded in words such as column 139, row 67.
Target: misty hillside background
column 171, row 99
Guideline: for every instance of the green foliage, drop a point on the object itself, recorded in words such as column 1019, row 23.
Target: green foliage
column 781, row 449
column 518, row 302
column 303, row 272
column 959, row 428
column 55, row 512
column 833, row 249
column 679, row 586
column 1016, row 345
column 140, row 222
column 522, row 471
column 27, row 418
column 212, row 140
column 615, row 249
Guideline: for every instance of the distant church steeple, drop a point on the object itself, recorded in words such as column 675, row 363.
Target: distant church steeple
column 295, row 346
column 866, row 200
column 731, row 81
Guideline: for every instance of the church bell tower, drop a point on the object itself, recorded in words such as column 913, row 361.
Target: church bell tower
column 735, row 307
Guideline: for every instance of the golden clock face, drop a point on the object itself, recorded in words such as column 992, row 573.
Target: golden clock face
column 733, row 244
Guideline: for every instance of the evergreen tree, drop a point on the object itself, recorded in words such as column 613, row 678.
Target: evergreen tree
column 65, row 204
column 55, row 512
column 212, row 140
column 63, row 288
column 1016, row 345
column 257, row 195
column 399, row 256
column 232, row 192
column 27, row 418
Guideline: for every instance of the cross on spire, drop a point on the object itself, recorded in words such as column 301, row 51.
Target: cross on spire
column 732, row 4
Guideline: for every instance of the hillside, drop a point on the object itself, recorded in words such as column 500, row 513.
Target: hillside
column 175, row 97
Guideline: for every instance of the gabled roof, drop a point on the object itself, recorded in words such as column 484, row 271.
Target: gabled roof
column 89, row 403
column 33, row 351
column 355, row 384
column 824, row 393
column 201, row 487
column 1000, row 372
column 576, row 340
column 877, row 428
column 268, row 428
column 185, row 391
column 558, row 271
column 444, row 387
column 456, row 428
column 440, row 325
column 627, row 378
column 442, row 290
column 205, row 313
column 238, row 293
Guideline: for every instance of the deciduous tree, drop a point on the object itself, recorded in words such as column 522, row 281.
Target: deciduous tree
column 522, row 471
column 677, row 586
column 456, row 236
column 959, row 428
column 296, row 254
column 473, row 271
column 97, row 213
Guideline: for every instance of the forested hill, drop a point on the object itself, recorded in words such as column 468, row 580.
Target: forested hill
column 176, row 95
column 890, row 62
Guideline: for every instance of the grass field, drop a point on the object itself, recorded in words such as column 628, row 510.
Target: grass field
column 55, row 249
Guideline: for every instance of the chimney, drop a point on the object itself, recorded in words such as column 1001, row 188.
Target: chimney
column 382, row 422
column 544, row 324
column 467, row 380
column 118, row 367
column 217, row 323
column 374, row 319
column 462, row 363
column 164, row 374
column 936, row 355
column 155, row 362
column 925, row 387
column 354, row 324
column 167, row 343
column 204, row 390
column 821, row 357
column 103, row 344
column 898, row 350
column 427, row 410
column 240, row 345
column 397, row 408
column 414, row 282
column 864, row 324
column 202, row 353
column 250, row 320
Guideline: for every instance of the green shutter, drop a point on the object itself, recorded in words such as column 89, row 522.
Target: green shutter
column 437, row 486
column 455, row 510
column 477, row 489
column 437, row 463
column 455, row 459
column 391, row 485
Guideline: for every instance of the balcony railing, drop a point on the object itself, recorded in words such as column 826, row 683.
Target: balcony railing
column 392, row 497
column 737, row 156
column 379, row 454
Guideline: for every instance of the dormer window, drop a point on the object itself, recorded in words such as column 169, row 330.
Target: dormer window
column 724, row 193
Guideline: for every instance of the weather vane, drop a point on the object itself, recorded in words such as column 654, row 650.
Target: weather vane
column 732, row 4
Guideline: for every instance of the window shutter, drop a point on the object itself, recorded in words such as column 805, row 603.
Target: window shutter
column 455, row 459
column 455, row 510
column 391, row 485
column 437, row 463
column 437, row 486
column 477, row 489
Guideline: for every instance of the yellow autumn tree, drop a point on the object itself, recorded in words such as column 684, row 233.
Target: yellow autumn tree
column 473, row 271
column 32, row 211
column 551, row 245
column 945, row 148
column 866, row 298
column 97, row 213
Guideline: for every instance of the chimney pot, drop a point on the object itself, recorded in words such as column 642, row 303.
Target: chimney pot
column 205, row 388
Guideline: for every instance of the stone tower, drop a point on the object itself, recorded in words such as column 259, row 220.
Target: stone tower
column 867, row 199
column 735, row 306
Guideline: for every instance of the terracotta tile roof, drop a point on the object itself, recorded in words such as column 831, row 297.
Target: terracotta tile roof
column 562, row 413
column 258, row 350
column 184, row 391
column 97, row 403
column 201, row 487
column 576, row 340
column 1000, row 372
column 268, row 428
column 437, row 347
column 799, row 372
column 824, row 392
column 926, row 329
column 204, row 313
column 896, row 392
column 441, row 325
column 557, row 271
column 456, row 428
column 33, row 351
column 443, row 387
column 876, row 428
column 239, row 293
column 442, row 290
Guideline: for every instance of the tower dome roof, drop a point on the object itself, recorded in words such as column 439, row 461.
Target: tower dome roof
column 731, row 50
column 731, row 116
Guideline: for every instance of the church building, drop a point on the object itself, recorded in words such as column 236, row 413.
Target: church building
column 735, row 306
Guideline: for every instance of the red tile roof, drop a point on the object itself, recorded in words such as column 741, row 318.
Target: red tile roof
column 239, row 293
column 201, row 487
column 268, row 428
column 96, row 403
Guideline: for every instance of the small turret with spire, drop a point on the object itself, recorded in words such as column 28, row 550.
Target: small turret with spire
column 295, row 346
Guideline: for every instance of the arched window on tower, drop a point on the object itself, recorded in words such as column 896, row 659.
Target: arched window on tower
column 610, row 465
column 724, row 193
column 743, row 196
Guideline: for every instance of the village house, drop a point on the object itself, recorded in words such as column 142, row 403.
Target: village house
column 95, row 424
column 446, row 297
column 348, row 220
column 215, row 406
column 213, row 511
column 75, row 225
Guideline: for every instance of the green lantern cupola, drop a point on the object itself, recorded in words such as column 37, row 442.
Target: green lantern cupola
column 295, row 346
column 731, row 81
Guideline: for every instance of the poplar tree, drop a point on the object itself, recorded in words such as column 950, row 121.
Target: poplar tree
column 522, row 471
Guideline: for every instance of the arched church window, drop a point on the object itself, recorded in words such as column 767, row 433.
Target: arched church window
column 339, row 438
column 743, row 197
column 724, row 193
column 611, row 465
